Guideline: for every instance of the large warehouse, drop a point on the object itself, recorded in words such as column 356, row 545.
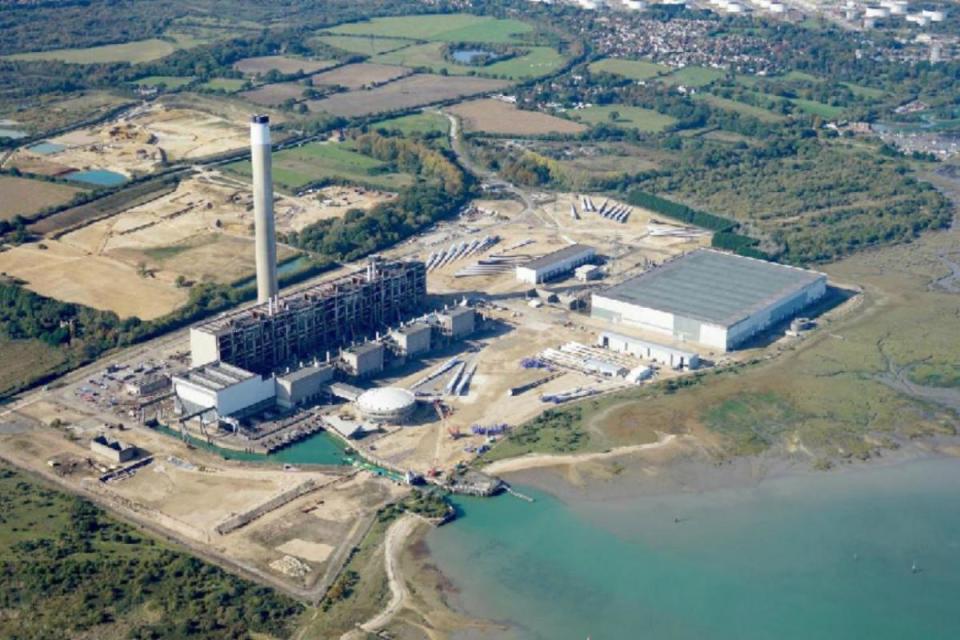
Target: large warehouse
column 556, row 263
column 716, row 299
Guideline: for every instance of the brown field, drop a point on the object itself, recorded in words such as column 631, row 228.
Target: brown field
column 283, row 64
column 53, row 111
column 495, row 116
column 274, row 95
column 32, row 163
column 66, row 273
column 414, row 91
column 144, row 140
column 357, row 76
column 22, row 196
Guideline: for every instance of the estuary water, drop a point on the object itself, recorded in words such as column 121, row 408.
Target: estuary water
column 871, row 553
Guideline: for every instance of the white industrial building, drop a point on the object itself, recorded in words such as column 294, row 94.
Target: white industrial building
column 554, row 264
column 221, row 386
column 652, row 351
column 715, row 299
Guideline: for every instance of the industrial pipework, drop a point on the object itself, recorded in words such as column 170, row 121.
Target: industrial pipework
column 266, row 240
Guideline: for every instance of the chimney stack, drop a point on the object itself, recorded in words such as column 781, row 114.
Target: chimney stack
column 266, row 241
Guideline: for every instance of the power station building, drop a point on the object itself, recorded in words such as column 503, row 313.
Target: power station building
column 305, row 324
column 712, row 298
column 555, row 264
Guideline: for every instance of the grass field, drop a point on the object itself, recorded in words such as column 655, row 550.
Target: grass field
column 273, row 95
column 132, row 52
column 455, row 27
column 25, row 361
column 693, row 76
column 629, row 117
column 865, row 92
column 417, row 123
column 230, row 85
column 171, row 82
column 23, row 197
column 296, row 168
column 759, row 113
column 815, row 108
column 494, row 116
column 364, row 45
column 413, row 91
column 537, row 61
column 633, row 69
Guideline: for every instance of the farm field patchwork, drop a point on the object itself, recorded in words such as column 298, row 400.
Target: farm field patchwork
column 633, row 69
column 364, row 45
column 535, row 62
column 625, row 116
column 23, row 197
column 693, row 76
column 356, row 76
column 283, row 64
column 455, row 27
column 416, row 124
column 764, row 115
column 273, row 95
column 414, row 91
column 495, row 116
column 132, row 52
column 295, row 168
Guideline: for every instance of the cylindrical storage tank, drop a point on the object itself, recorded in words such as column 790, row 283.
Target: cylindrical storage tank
column 876, row 12
column 387, row 405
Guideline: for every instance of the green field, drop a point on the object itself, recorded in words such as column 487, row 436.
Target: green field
column 294, row 169
column 72, row 571
column 364, row 45
column 693, row 76
column 132, row 52
column 455, row 27
column 818, row 108
column 538, row 61
column 25, row 361
column 633, row 69
column 628, row 117
column 171, row 82
column 759, row 113
column 230, row 85
column 416, row 124
column 864, row 92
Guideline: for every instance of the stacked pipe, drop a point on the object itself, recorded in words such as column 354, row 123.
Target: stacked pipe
column 616, row 212
column 460, row 250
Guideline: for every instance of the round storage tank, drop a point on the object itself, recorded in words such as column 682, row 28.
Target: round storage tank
column 391, row 405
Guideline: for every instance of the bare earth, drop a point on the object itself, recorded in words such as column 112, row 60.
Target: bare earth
column 495, row 116
column 20, row 196
column 283, row 64
column 358, row 76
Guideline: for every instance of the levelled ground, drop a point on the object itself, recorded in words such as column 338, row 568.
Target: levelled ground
column 23, row 197
column 496, row 116
column 454, row 27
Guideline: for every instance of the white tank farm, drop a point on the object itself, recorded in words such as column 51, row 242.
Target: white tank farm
column 391, row 405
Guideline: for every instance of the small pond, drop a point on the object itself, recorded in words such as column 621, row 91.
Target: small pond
column 99, row 177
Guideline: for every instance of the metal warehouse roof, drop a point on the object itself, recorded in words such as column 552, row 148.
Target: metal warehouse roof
column 574, row 250
column 713, row 287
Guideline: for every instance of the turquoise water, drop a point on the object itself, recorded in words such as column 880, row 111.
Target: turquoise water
column 818, row 556
column 99, row 177
column 13, row 134
column 320, row 448
column 47, row 148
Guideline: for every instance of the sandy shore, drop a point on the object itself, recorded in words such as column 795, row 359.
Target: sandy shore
column 397, row 536
column 538, row 460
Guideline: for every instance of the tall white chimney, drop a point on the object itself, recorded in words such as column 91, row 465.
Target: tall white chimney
column 266, row 240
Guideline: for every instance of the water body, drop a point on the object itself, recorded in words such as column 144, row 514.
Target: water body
column 469, row 56
column 320, row 448
column 814, row 556
column 14, row 134
column 47, row 148
column 99, row 177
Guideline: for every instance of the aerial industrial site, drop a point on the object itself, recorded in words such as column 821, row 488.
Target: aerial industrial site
column 408, row 364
